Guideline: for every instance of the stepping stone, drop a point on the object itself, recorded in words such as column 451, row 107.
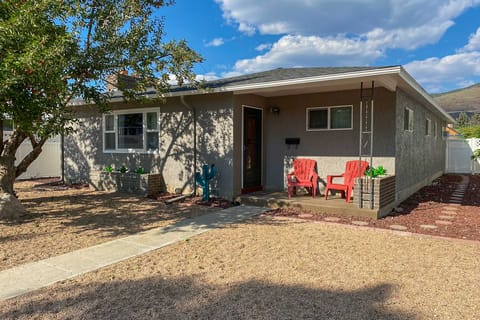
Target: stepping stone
column 332, row 219
column 428, row 226
column 443, row 222
column 449, row 212
column 450, row 208
column 455, row 202
column 398, row 227
column 305, row 215
column 447, row 217
column 360, row 223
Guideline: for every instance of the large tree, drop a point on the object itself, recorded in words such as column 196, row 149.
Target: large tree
column 53, row 51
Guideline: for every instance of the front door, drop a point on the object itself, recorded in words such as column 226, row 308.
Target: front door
column 252, row 150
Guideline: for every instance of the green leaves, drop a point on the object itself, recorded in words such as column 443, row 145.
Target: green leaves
column 375, row 172
column 470, row 132
column 53, row 51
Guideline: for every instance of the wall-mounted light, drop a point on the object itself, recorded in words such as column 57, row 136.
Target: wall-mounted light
column 275, row 110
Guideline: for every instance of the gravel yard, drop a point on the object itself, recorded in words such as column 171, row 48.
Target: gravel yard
column 271, row 268
column 62, row 219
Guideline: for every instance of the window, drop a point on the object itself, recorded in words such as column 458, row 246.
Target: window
column 7, row 125
column 408, row 119
column 109, row 132
column 428, row 127
column 125, row 131
column 329, row 118
column 435, row 129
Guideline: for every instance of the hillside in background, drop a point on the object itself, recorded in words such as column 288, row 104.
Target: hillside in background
column 456, row 101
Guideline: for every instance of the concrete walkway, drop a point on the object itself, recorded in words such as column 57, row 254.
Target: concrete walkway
column 39, row 274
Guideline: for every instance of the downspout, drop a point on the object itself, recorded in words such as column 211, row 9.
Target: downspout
column 194, row 112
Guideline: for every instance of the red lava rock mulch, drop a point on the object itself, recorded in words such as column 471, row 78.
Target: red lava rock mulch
column 423, row 212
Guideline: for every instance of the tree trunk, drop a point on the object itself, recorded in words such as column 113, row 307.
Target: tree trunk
column 7, row 174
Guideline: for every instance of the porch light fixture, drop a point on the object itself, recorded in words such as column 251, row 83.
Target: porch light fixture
column 275, row 110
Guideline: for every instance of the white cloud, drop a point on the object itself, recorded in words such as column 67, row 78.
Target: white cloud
column 474, row 42
column 353, row 32
column 263, row 47
column 199, row 77
column 215, row 42
column 207, row 76
column 455, row 70
column 297, row 51
column 359, row 17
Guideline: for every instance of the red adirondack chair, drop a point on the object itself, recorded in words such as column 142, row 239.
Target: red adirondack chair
column 303, row 175
column 353, row 169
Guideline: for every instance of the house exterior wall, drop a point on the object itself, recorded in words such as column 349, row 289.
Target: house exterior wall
column 84, row 154
column 420, row 158
column 330, row 148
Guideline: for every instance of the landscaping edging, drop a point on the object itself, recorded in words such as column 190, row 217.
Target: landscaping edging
column 130, row 182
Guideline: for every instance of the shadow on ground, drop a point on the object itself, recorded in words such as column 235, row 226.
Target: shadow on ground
column 111, row 213
column 187, row 298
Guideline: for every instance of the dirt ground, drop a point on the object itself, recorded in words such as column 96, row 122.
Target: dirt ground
column 271, row 268
column 62, row 219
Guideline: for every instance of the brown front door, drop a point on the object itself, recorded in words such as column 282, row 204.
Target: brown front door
column 252, row 150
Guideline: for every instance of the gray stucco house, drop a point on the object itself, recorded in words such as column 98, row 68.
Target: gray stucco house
column 252, row 126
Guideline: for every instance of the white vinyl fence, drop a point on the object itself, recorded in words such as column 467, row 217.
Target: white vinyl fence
column 48, row 163
column 459, row 153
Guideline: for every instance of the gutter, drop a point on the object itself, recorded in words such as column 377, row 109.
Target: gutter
column 194, row 167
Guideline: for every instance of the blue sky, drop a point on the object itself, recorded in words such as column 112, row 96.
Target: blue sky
column 438, row 42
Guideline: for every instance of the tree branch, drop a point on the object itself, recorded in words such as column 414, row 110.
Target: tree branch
column 11, row 145
column 29, row 158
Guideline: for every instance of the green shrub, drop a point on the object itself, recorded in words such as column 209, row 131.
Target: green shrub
column 108, row 169
column 375, row 172
column 470, row 132
column 476, row 154
column 141, row 170
column 123, row 169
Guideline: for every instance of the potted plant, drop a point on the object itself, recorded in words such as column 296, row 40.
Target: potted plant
column 375, row 172
column 375, row 190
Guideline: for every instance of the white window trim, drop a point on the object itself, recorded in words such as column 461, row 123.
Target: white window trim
column 413, row 120
column 435, row 129
column 144, row 112
column 328, row 108
column 428, row 129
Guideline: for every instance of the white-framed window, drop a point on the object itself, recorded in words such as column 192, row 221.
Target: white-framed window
column 131, row 131
column 435, row 129
column 330, row 118
column 408, row 119
column 7, row 125
column 428, row 127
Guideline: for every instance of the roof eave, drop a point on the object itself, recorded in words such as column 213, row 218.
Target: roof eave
column 407, row 78
column 238, row 89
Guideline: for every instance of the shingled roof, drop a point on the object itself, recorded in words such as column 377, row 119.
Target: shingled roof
column 277, row 75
